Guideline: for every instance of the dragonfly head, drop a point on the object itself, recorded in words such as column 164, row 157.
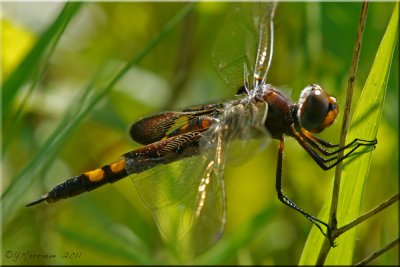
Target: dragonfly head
column 317, row 109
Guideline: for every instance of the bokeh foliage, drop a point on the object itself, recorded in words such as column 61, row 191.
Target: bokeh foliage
column 313, row 44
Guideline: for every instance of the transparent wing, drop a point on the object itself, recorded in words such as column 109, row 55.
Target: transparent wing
column 242, row 52
column 187, row 197
column 235, row 46
column 265, row 21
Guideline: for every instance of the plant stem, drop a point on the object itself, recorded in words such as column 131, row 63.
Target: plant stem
column 346, row 117
column 378, row 253
column 367, row 215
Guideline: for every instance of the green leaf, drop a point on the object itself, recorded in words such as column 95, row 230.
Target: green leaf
column 364, row 125
column 34, row 58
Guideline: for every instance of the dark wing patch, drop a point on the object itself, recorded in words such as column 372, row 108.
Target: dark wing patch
column 167, row 124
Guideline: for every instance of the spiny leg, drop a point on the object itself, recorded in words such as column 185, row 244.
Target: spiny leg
column 322, row 145
column 322, row 161
column 328, row 162
column 285, row 200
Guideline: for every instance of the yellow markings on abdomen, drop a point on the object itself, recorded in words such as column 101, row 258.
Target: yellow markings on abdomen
column 95, row 175
column 117, row 166
column 99, row 174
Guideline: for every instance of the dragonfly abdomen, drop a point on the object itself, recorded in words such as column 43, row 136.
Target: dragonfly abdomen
column 85, row 182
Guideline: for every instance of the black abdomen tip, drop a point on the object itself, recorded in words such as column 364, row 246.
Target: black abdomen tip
column 41, row 199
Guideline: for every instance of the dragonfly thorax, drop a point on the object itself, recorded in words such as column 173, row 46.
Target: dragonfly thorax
column 280, row 115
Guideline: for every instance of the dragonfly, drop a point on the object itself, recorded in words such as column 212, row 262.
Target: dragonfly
column 179, row 170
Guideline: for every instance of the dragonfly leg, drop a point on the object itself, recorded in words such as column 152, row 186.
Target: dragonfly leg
column 322, row 146
column 285, row 200
column 327, row 160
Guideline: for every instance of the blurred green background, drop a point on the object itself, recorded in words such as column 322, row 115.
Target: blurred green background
column 313, row 44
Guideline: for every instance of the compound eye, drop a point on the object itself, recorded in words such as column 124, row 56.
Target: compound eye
column 317, row 110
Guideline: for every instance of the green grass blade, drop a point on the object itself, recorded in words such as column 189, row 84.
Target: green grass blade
column 364, row 125
column 34, row 68
column 25, row 70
